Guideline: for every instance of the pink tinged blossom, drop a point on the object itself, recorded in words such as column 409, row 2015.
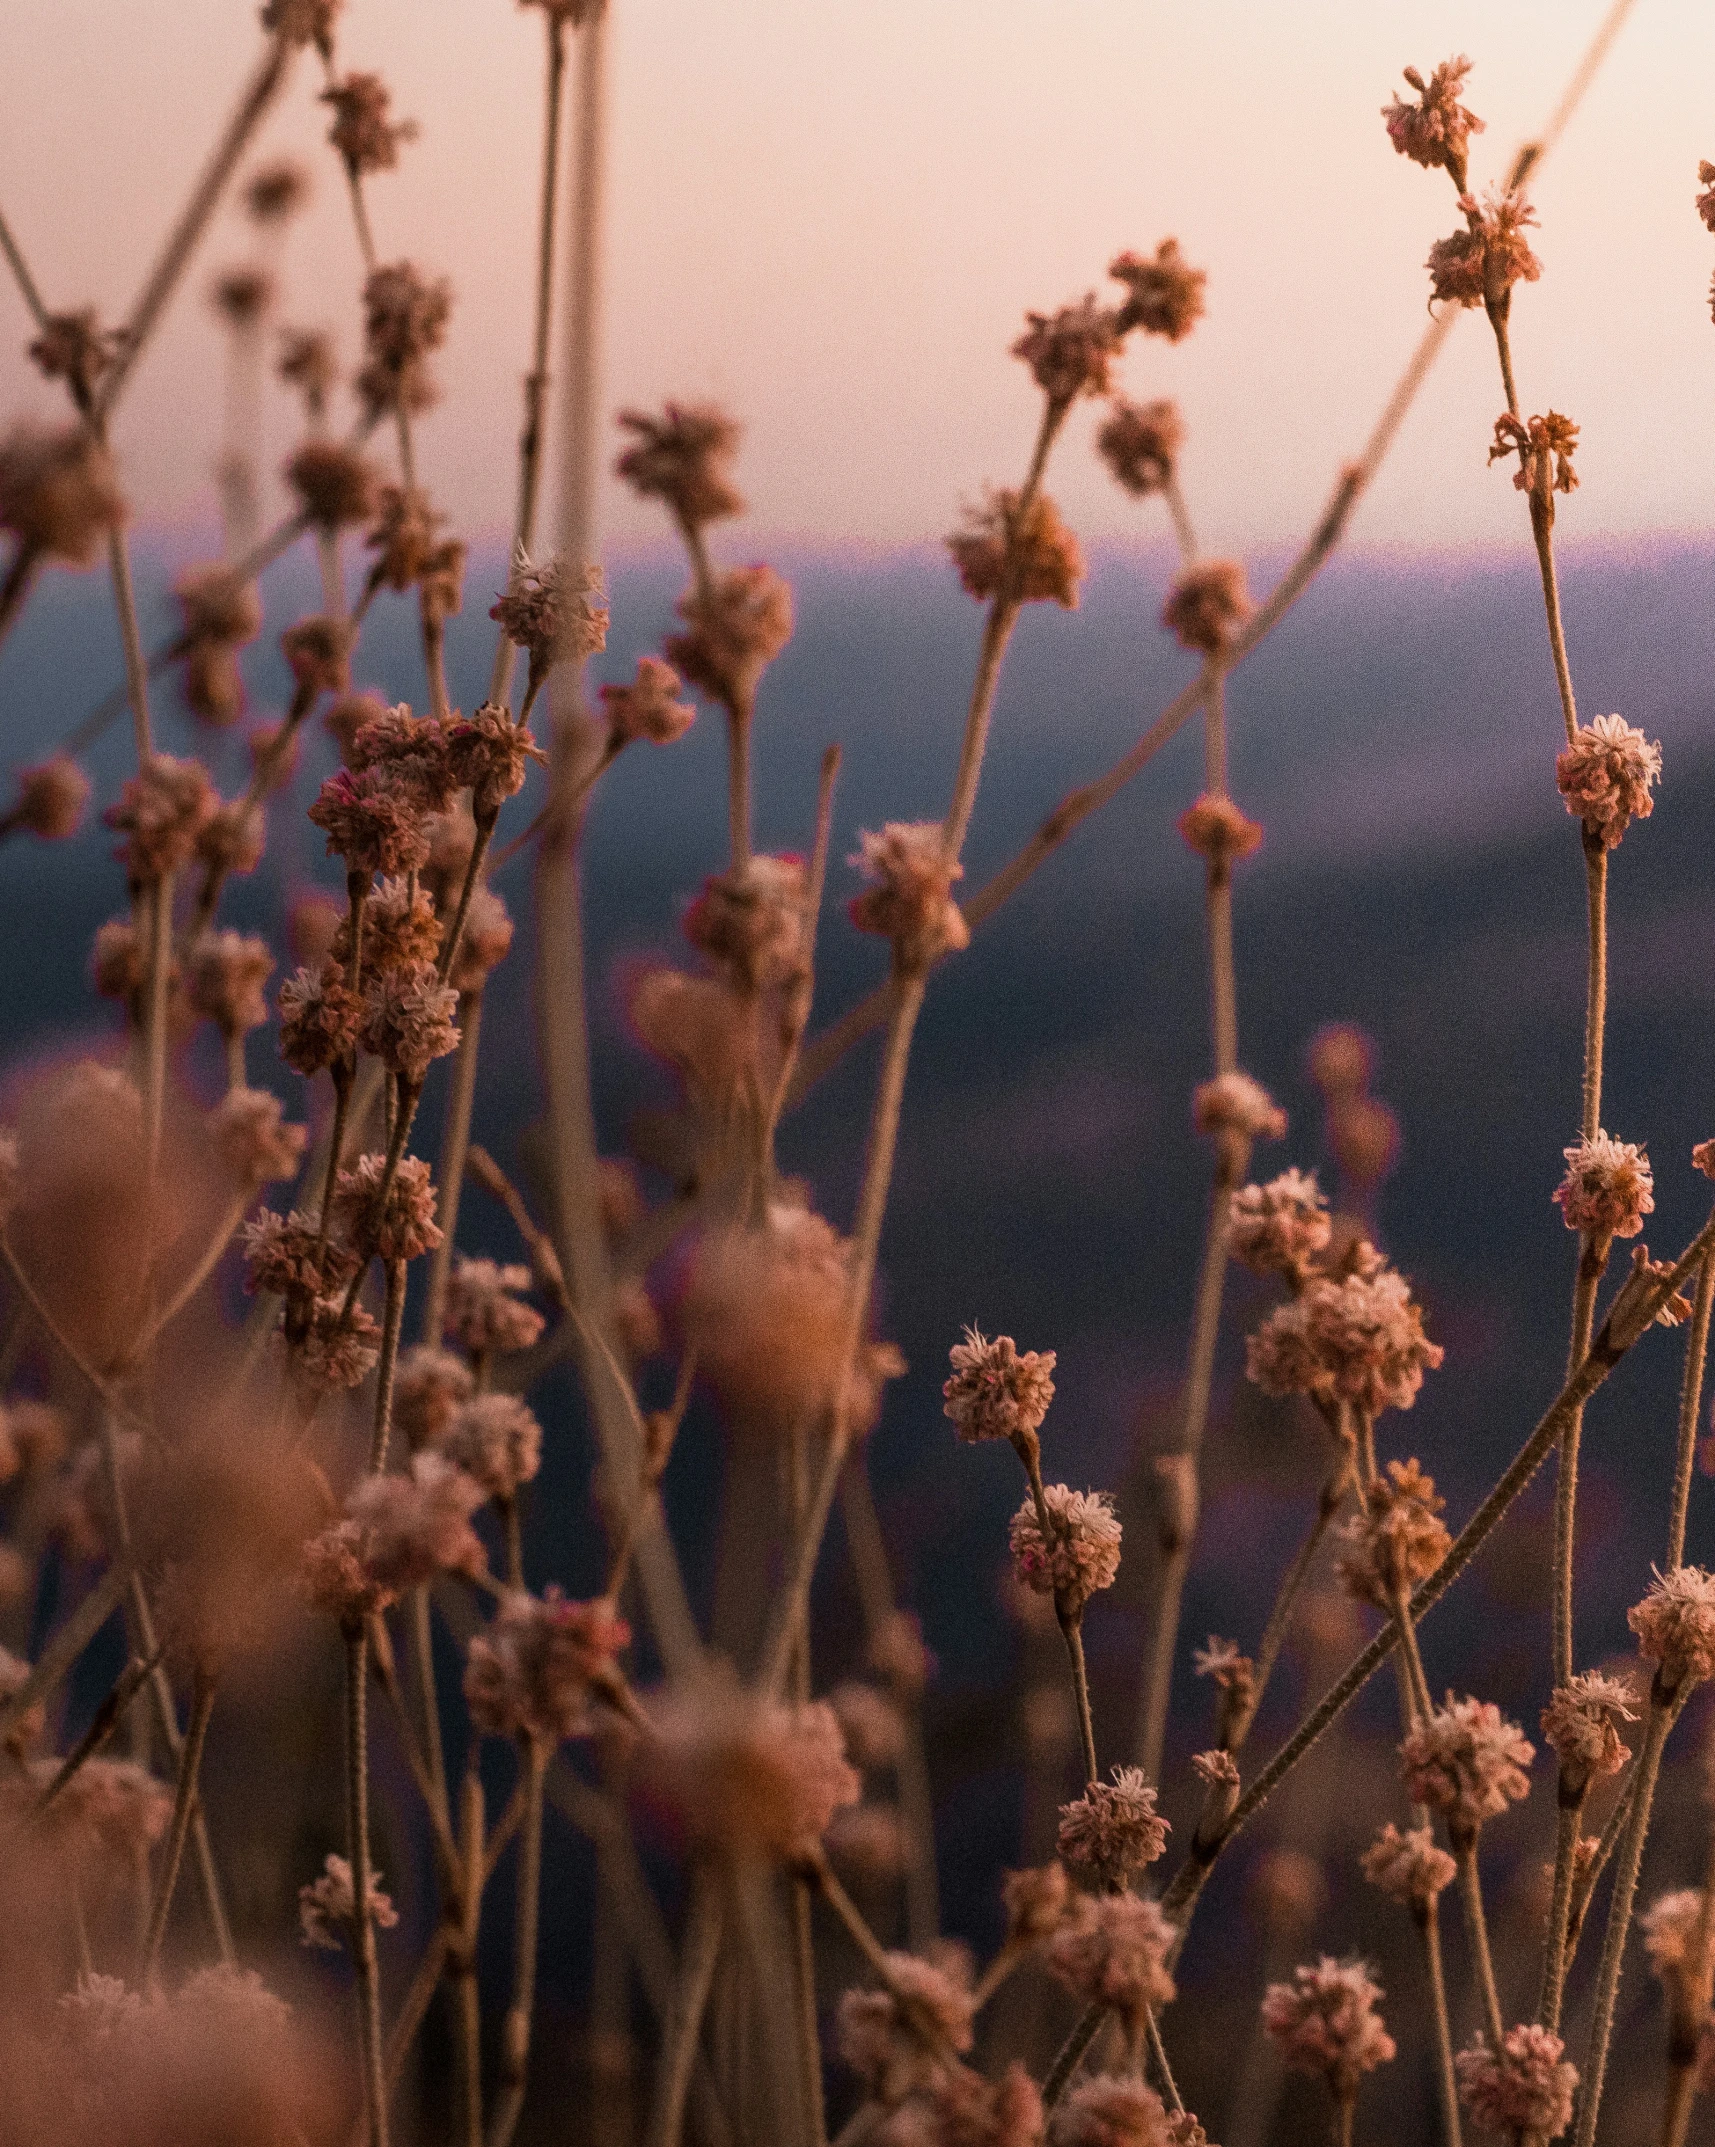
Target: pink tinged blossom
column 751, row 921
column 1436, row 129
column 534, row 1671
column 683, row 457
column 489, row 753
column 404, row 319
column 1670, row 1927
column 1069, row 353
column 1140, row 444
column 1206, row 605
column 251, row 1139
column 336, row 1348
column 1605, row 776
column 553, row 611
column 496, row 1439
column 1480, row 264
column 51, row 798
column 1466, row 1761
column 111, row 1809
column 1527, row 2088
column 484, row 943
column 997, row 1391
column 318, row 1019
column 1214, row 827
column 1216, row 1769
column 898, row 2045
column 959, row 2108
column 646, row 708
column 428, row 1387
column 1035, row 1902
column 405, row 1228
column 1164, row 295
column 227, row 973
column 1410, row 1867
column 1358, row 1340
column 1397, row 1537
column 1325, row 2021
column 318, row 653
column 872, row 1726
column 733, row 632
column 410, row 752
column 1234, row 1103
column 1011, row 558
column 371, row 821
column 910, row 899
column 397, row 1534
column 59, row 492
column 1580, row 1721
column 1705, row 203
column 1111, row 1832
column 1112, row 1950
column 161, row 811
column 483, row 1311
column 1110, row 2110
column 400, row 928
column 1084, row 1554
column 231, row 839
column 1281, row 1227
column 284, row 1255
column 363, row 134
column 748, row 1775
column 1675, row 1625
column 407, row 1020
column 327, row 1907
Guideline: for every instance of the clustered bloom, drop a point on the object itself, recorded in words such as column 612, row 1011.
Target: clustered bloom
column 404, row 319
column 227, row 973
column 1479, row 265
column 397, row 1534
column 1397, row 1537
column 1325, row 2021
column 1214, row 827
column 404, row 1226
column 1234, row 1103
column 428, row 1387
column 1082, row 1555
column 1675, row 1625
column 1466, row 1761
column 959, row 2108
column 1579, row 1723
column 370, row 821
column 362, row 132
column 751, row 920
column 51, row 799
column 483, row 1311
column 683, row 457
column 646, row 708
column 1069, row 352
column 552, row 611
column 910, row 900
column 1410, row 1868
column 407, row 1020
column 1358, row 1339
column 1670, row 1926
column 1279, row 1228
column 1545, row 447
column 997, row 1391
column 318, row 1019
column 59, row 492
column 496, row 1439
column 251, row 1139
column 1140, row 444
column 750, row 1775
column 532, row 1672
column 219, row 613
column 307, row 363
column 1436, row 129
column 336, row 487
column 1164, row 296
column 733, row 632
column 489, row 753
column 1110, row 2110
column 1526, row 2087
column 1605, row 776
column 1107, row 1835
column 1017, row 559
column 327, row 1907
column 1608, row 1188
column 1206, row 605
column 1112, row 1949
column 161, row 810
column 1035, row 1902
column 896, row 2044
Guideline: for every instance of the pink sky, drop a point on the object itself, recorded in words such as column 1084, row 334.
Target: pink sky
column 831, row 215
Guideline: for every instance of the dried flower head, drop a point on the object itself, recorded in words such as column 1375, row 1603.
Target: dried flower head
column 489, row 753
column 405, row 1226
column 733, row 632
column 227, row 973
column 397, row 1534
column 1409, row 1868
column 1216, row 1769
column 1069, row 353
column 327, row 1907
column 749, row 1775
column 428, row 1388
column 1525, row 2089
column 1479, row 265
column 400, row 927
column 74, row 348
column 553, row 611
column 1234, row 1103
column 533, row 1671
column 161, row 811
column 51, row 799
column 910, row 898
column 405, row 318
column 485, row 941
column 231, row 839
column 1325, row 2021
column 1670, row 1927
column 336, row 487
column 1206, row 605
column 362, row 132
column 1214, row 827
column 646, row 708
column 249, row 1136
column 1279, row 1228
column 751, row 921
column 285, row 1256
column 1112, row 1949
column 409, row 752
column 275, row 191
column 1164, row 296
column 898, row 2045
column 496, row 1439
column 219, row 613
column 1466, row 1761
column 371, row 821
column 1035, row 1902
column 959, row 2108
column 1140, row 444
column 1605, row 777
column 1397, row 1537
column 408, row 1019
column 242, row 295
column 318, row 652
column 1014, row 559
column 1580, row 1723
column 334, row 1348
column 1111, row 1832
column 1608, row 1188
column 307, row 363
column 1675, row 1625
column 59, row 492
column 1083, row 1554
column 1436, row 129
column 1544, row 446
column 1112, row 2110
column 1357, row 1340
column 483, row 1310
column 404, row 538
column 871, row 1724
column 318, row 1019
column 997, row 1391
column 683, row 457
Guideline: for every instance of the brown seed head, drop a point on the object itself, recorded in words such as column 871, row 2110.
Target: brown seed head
column 683, row 457
column 1524, row 2090
column 1069, row 353
column 1005, row 558
column 59, row 492
column 1325, row 2021
column 1605, row 776
column 51, row 798
column 1140, row 444
column 1164, row 295
column 1206, row 604
column 1436, row 129
column 734, row 633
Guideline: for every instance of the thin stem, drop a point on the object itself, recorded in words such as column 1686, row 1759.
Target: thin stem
column 1071, row 1631
column 414, row 2006
column 739, row 716
column 462, row 1952
column 1477, row 1926
column 131, row 641
column 1330, row 1500
column 680, row 2029
column 1568, row 1831
column 1158, row 2059
column 63, row 1650
column 423, row 1663
column 20, row 579
column 1446, row 2079
column 1596, row 984
column 155, row 1026
column 809, row 2034
column 178, row 1831
column 455, row 1144
column 21, row 271
column 393, row 1319
column 210, row 1260
column 515, row 2037
column 1066, row 2059
column 104, row 1722
column 357, row 1851
column 1606, row 1843
column 1690, row 1404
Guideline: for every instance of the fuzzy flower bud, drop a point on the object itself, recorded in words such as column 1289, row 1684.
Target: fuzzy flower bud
column 1466, row 1761
column 997, row 1391
column 1675, row 1625
column 1325, row 2021
column 483, row 1313
column 327, row 1907
column 533, row 1671
column 751, row 921
column 1605, row 776
column 406, row 1228
column 1525, row 2088
column 1112, row 1949
column 362, row 132
column 1083, row 1555
column 1281, row 1227
column 227, row 973
column 733, row 633
column 1579, row 1722
column 1140, row 444
column 747, row 1774
column 910, row 901
column 683, row 457
column 646, row 708
column 1357, row 1340
column 407, row 1020
column 1480, row 264
column 51, row 799
column 1112, row 2110
column 250, row 1139
column 428, row 1387
column 1234, row 1103
column 1070, row 352
column 1397, row 1538
column 1164, row 295
column 1608, row 1188
column 404, row 319
column 1107, row 1835
column 371, row 821
column 318, row 1019
column 488, row 752
column 1214, row 827
column 336, row 487
column 1035, row 1902
column 1008, row 559
column 161, row 810
column 1206, row 604
column 895, row 2040
column 397, row 1534
column 552, row 611
column 497, row 1441
column 1409, row 1868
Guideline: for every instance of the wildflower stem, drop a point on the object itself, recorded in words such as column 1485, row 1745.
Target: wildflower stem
column 680, row 2029
column 357, row 1851
column 515, row 2037
column 1596, row 992
column 1418, row 1701
column 1428, row 1920
column 1072, row 1632
column 20, row 577
column 1664, row 1711
column 1158, row 2059
column 1328, row 1504
column 1477, row 1926
column 104, row 1722
column 1568, row 1830
column 21, row 273
column 130, row 641
column 455, row 1146
column 414, row 2005
column 1066, row 2058
column 440, row 1826
column 178, row 1830
column 160, row 908
column 800, row 995
column 1607, row 1842
column 210, row 1260
column 392, row 1319
column 1690, row 1403
column 473, row 874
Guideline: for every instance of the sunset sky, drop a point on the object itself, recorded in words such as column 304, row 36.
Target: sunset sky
column 831, row 215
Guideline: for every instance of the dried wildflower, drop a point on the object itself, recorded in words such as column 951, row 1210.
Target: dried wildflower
column 1035, row 1902
column 1164, row 296
column 1140, row 444
column 1281, row 1227
column 1070, row 352
column 749, row 1775
column 73, row 347
column 532, row 1672
column 894, row 2048
column 1579, row 1722
column 910, row 900
column 483, row 1312
column 1436, row 129
column 553, row 611
column 1605, row 777
column 872, row 1726
column 1083, row 1556
column 1525, row 2089
column 1214, row 827
column 397, row 1534
column 406, row 1227
column 1479, row 265
column 318, row 652
column 217, row 609
column 302, row 22
column 327, row 1907
column 51, row 799
column 1608, row 1188
column 1409, row 1868
column 1545, row 447
column 1216, row 1769
column 231, row 839
column 336, row 1348
column 403, row 539
column 683, row 457
column 1107, row 1835
column 646, row 708
column 485, row 941
column 1325, row 2021
column 161, row 810
column 1675, row 1625
column 370, row 821
column 1397, row 1537
column 404, row 319
column 408, row 1019
column 227, row 973
column 1358, row 1340
column 59, row 492
column 242, row 295
column 1234, row 1103
column 1466, row 1761
column 957, row 2107
column 111, row 1809
column 1014, row 561
column 336, row 487
column 400, row 928
column 285, row 1257
column 318, row 1019
column 275, row 191
column 428, row 1388
column 250, row 1138
column 751, row 921
column 496, row 1440
column 1206, row 604
column 307, row 363
column 362, row 132
column 1111, row 2110
column 733, row 633
column 1112, row 1949
column 1223, row 1662
column 409, row 752
column 489, row 753
column 1670, row 1926
column 997, row 1392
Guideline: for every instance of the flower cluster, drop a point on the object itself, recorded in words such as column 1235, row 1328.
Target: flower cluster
column 1480, row 265
column 1605, row 776
column 1357, row 1339
column 1325, row 2021
column 1466, row 1761
column 1397, row 1538
column 1107, row 1835
column 1436, row 129
column 397, row 1534
column 1140, row 444
column 1579, row 1723
column 910, row 899
column 1280, row 1228
column 1544, row 446
column 327, row 1907
column 1206, row 605
column 1112, row 1950
column 1081, row 1553
column 996, row 1391
column 533, row 1671
column 1524, row 2089
column 1409, row 1868
column 1016, row 557
column 1675, row 1625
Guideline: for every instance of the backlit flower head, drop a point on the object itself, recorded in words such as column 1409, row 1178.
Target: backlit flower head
column 1524, row 2089
column 1480, row 264
column 1580, row 1723
column 408, row 1019
column 910, row 899
column 490, row 753
column 1359, row 1339
column 683, row 457
column 1410, row 1867
column 532, row 1671
column 1466, row 1761
column 1214, row 827
column 996, row 1390
column 733, row 632
column 1140, row 444
column 1112, row 2110
column 251, row 1139
column 495, row 1439
column 1070, row 352
column 750, row 1775
column 327, row 1907
column 1164, row 294
column 1281, row 1227
column 552, row 611
column 1029, row 559
column 750, row 921
column 411, row 752
column 1670, row 1926
column 1436, row 129
column 397, row 1534
column 1083, row 1555
column 484, row 1309
column 1605, row 776
column 370, row 821
column 1326, row 2021
column 899, row 2045
column 1112, row 1949
column 1234, row 1103
column 1206, row 605
column 1675, row 1625
column 405, row 318
column 1608, row 1188
column 405, row 1228
column 1111, row 1832
column 1397, row 1537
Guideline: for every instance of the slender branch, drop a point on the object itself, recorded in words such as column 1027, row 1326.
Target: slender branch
column 63, row 1650
column 1568, row 1831
column 130, row 640
column 21, row 271
column 357, row 1851
column 515, row 2036
column 455, row 1141
column 1428, row 1922
column 103, row 1723
column 698, row 1952
column 1065, row 2064
column 1477, row 1926
column 1690, row 1405
column 184, row 1803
